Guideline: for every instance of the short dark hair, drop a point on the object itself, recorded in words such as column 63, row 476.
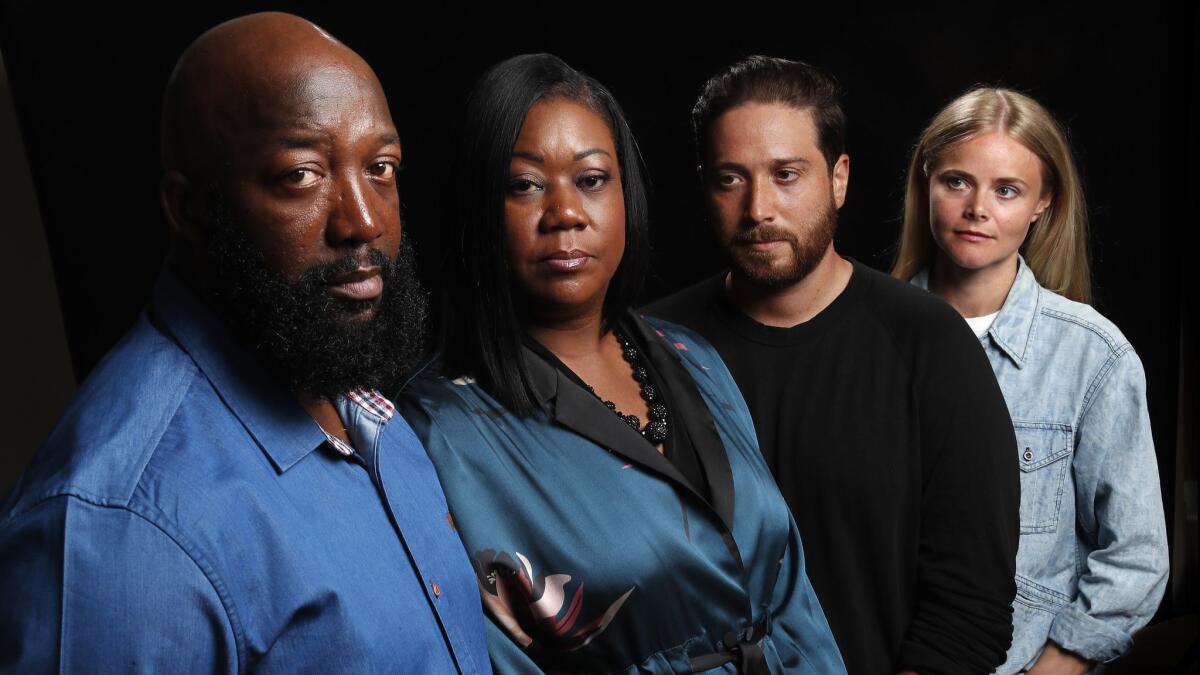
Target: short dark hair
column 767, row 79
column 481, row 335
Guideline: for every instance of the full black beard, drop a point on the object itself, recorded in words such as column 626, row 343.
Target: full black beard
column 319, row 344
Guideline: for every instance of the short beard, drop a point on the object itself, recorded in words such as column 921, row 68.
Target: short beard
column 315, row 342
column 760, row 270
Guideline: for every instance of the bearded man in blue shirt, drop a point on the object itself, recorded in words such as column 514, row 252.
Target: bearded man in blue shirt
column 230, row 491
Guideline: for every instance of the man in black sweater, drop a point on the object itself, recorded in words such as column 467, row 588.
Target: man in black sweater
column 874, row 405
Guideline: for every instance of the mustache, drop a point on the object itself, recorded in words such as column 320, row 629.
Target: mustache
column 327, row 273
column 763, row 233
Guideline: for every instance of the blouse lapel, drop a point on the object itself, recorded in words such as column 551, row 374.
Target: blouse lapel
column 690, row 412
column 581, row 412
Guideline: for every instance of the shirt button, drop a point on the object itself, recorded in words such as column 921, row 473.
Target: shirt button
column 1028, row 455
column 437, row 590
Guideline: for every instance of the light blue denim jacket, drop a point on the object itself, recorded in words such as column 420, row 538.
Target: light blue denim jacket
column 1092, row 564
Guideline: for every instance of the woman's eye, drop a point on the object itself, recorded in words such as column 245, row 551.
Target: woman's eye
column 593, row 181
column 522, row 186
column 1006, row 191
column 955, row 183
column 299, row 177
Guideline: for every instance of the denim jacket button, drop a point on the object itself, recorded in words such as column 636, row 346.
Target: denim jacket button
column 1028, row 455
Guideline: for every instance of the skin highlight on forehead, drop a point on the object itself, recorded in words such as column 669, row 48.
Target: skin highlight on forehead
column 268, row 70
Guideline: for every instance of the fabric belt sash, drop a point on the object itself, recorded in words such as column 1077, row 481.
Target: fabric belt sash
column 742, row 650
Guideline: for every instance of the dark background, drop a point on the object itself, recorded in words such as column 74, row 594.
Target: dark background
column 86, row 83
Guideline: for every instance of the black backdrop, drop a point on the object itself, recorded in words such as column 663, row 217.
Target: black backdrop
column 87, row 81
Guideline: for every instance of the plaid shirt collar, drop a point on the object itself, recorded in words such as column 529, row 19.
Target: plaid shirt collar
column 374, row 404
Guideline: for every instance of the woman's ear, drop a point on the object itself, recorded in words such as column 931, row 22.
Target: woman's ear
column 1043, row 203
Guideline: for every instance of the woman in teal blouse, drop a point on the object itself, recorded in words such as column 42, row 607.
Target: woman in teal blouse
column 601, row 468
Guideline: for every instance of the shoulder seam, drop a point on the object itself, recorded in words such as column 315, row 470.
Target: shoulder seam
column 206, row 570
column 1099, row 379
column 1114, row 345
column 161, row 523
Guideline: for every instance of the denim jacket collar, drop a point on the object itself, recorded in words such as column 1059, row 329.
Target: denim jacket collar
column 1012, row 331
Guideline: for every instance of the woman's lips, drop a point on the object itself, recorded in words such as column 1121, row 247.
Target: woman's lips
column 358, row 285
column 972, row 235
column 566, row 261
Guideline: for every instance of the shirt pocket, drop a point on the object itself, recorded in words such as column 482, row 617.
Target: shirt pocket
column 1043, row 453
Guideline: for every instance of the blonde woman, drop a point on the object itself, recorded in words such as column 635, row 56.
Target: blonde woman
column 995, row 224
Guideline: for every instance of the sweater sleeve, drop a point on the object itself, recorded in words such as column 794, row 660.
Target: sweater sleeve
column 91, row 588
column 962, row 619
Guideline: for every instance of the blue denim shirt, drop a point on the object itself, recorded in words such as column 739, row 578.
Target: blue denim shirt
column 187, row 515
column 1092, row 564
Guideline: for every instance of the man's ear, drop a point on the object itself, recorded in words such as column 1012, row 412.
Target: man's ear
column 840, row 178
column 183, row 207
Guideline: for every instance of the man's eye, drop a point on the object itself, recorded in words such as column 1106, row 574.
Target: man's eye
column 787, row 175
column 383, row 170
column 300, row 177
column 728, row 179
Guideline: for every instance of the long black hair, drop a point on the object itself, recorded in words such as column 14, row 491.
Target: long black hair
column 481, row 334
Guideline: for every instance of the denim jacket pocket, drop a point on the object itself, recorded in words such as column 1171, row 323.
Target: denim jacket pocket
column 1043, row 452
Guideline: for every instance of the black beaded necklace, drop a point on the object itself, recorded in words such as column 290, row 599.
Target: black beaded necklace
column 656, row 429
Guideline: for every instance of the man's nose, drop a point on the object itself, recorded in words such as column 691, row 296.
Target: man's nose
column 354, row 217
column 760, row 202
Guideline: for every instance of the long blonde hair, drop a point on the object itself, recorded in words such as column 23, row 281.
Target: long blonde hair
column 1057, row 247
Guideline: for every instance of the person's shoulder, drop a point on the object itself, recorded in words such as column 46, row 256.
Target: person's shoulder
column 687, row 306
column 907, row 310
column 430, row 390
column 698, row 356
column 1081, row 322
column 685, row 341
column 435, row 405
column 101, row 445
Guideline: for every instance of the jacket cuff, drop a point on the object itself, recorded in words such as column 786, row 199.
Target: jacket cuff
column 1087, row 636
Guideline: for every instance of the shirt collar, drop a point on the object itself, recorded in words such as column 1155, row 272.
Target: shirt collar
column 1013, row 327
column 268, row 411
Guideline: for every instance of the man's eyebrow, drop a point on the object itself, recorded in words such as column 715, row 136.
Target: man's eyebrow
column 735, row 166
column 293, row 141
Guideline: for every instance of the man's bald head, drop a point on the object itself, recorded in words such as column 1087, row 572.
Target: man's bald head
column 232, row 80
column 281, row 195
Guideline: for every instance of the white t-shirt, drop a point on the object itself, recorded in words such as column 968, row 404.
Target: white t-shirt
column 981, row 324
